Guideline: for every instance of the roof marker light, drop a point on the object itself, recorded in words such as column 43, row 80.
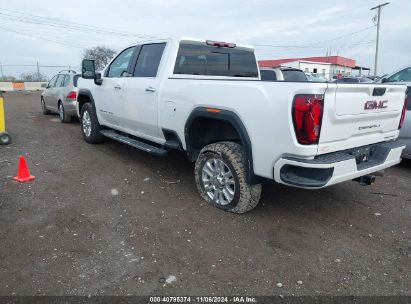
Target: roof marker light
column 221, row 44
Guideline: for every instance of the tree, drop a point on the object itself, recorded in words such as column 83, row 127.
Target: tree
column 100, row 54
column 33, row 76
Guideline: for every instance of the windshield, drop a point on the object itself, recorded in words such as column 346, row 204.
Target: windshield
column 294, row 75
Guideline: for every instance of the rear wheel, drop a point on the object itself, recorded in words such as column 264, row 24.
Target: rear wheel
column 90, row 128
column 62, row 114
column 221, row 178
column 44, row 110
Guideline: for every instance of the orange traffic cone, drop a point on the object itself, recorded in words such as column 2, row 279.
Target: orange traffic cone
column 23, row 173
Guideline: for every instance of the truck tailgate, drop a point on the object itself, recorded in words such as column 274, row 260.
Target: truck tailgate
column 360, row 114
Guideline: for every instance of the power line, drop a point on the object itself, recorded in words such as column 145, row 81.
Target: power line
column 40, row 20
column 41, row 38
column 316, row 45
column 42, row 66
column 51, row 34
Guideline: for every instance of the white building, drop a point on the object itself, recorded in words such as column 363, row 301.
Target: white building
column 327, row 66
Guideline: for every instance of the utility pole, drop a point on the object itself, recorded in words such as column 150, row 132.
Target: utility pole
column 38, row 71
column 378, row 7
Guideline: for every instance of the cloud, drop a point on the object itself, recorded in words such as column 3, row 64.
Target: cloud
column 274, row 22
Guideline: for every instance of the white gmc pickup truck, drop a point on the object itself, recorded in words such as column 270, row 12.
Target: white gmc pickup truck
column 206, row 98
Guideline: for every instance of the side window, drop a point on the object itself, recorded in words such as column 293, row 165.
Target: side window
column 66, row 81
column 59, row 81
column 52, row 82
column 120, row 64
column 149, row 60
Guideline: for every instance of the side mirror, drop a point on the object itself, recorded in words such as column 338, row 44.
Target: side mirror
column 88, row 70
column 384, row 80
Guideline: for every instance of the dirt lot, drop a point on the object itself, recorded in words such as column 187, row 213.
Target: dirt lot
column 109, row 219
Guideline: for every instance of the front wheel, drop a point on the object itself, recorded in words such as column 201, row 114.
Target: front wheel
column 90, row 128
column 220, row 174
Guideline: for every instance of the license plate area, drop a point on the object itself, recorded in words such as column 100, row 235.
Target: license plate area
column 363, row 154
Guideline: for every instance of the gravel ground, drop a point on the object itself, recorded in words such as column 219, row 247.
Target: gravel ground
column 112, row 220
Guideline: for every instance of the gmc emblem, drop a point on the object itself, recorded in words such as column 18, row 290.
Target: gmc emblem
column 374, row 104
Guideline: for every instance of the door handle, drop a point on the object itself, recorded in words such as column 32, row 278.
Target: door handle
column 117, row 87
column 150, row 89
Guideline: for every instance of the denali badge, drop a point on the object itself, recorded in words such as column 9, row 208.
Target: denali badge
column 374, row 104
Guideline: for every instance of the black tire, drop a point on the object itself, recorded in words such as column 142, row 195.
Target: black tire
column 5, row 138
column 44, row 110
column 94, row 136
column 64, row 118
column 246, row 196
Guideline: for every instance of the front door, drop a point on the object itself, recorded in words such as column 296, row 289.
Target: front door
column 141, row 93
column 110, row 92
column 48, row 92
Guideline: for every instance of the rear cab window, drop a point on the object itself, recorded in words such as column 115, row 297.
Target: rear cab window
column 208, row 60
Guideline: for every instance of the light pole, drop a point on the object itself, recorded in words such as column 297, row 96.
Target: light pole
column 378, row 7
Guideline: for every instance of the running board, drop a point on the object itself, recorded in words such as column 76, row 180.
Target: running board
column 159, row 151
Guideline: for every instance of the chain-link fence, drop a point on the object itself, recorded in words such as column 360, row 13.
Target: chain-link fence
column 32, row 72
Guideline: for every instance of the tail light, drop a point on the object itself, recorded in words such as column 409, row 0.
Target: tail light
column 72, row 96
column 307, row 118
column 404, row 109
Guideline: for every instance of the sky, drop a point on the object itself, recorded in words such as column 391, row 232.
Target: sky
column 55, row 33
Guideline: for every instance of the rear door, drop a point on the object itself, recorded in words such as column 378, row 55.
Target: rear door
column 141, row 92
column 54, row 93
column 360, row 114
column 63, row 90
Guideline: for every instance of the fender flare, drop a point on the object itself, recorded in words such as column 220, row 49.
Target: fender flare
column 238, row 125
column 84, row 92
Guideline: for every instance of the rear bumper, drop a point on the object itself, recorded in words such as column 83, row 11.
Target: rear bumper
column 71, row 108
column 329, row 169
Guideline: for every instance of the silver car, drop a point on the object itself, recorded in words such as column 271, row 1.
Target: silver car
column 60, row 96
column 403, row 76
column 282, row 74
